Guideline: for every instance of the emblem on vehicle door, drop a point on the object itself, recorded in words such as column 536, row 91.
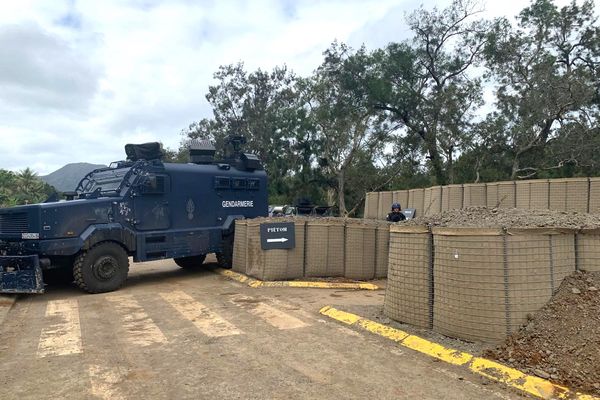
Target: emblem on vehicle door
column 190, row 207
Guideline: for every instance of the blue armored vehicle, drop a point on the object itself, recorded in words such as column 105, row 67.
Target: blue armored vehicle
column 142, row 208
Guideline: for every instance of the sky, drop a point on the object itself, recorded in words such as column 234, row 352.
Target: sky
column 80, row 79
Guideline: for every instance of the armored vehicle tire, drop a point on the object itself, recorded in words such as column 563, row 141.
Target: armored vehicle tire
column 101, row 269
column 225, row 258
column 190, row 262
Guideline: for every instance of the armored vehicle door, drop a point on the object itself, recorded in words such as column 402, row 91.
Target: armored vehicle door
column 151, row 206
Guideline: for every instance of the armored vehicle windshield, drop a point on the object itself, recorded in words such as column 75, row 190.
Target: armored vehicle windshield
column 102, row 182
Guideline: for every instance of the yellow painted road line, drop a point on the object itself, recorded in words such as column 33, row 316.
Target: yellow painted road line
column 436, row 350
column 103, row 382
column 140, row 328
column 383, row 330
column 63, row 334
column 342, row 316
column 295, row 284
column 514, row 378
column 269, row 314
column 206, row 321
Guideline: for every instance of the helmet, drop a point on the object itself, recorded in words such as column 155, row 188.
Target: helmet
column 396, row 205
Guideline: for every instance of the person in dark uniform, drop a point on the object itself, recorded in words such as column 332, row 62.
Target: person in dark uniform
column 396, row 215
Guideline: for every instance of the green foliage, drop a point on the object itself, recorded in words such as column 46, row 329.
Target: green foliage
column 426, row 84
column 23, row 187
column 546, row 69
column 411, row 113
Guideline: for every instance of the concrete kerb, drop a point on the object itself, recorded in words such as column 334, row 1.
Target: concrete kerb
column 516, row 379
column 6, row 303
column 236, row 276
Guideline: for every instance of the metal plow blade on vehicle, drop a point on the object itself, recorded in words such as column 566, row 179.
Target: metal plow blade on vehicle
column 21, row 274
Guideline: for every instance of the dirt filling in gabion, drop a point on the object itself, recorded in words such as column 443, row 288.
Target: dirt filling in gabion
column 482, row 217
column 561, row 342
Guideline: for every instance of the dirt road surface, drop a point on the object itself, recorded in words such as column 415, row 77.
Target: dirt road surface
column 175, row 334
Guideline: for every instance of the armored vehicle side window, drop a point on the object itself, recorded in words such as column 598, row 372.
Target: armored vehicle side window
column 238, row 183
column 222, row 182
column 155, row 184
column 253, row 184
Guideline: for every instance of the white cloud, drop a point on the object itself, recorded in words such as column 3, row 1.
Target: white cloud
column 80, row 79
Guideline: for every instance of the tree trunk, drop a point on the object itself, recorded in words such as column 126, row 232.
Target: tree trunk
column 450, row 167
column 341, row 197
column 434, row 158
column 515, row 167
column 331, row 200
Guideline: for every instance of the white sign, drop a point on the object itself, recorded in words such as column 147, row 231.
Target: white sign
column 30, row 235
column 238, row 203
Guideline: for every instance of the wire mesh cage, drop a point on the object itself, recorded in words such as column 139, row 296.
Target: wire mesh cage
column 474, row 195
column 416, row 200
column 409, row 292
column 324, row 247
column 240, row 246
column 382, row 246
column 278, row 264
column 372, row 205
column 588, row 250
column 488, row 281
column 452, row 197
column 359, row 260
column 432, row 200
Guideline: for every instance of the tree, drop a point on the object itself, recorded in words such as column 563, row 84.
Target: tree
column 426, row 85
column 23, row 187
column 266, row 108
column 345, row 124
column 547, row 71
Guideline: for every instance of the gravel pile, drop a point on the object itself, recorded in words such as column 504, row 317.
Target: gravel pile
column 562, row 341
column 482, row 217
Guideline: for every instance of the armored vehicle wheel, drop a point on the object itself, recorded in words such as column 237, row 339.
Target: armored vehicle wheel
column 225, row 258
column 101, row 269
column 190, row 262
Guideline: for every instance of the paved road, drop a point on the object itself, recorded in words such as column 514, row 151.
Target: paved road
column 174, row 334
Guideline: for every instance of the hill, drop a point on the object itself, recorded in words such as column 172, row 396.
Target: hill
column 67, row 177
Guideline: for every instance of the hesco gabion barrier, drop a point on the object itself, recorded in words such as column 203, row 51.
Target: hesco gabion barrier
column 474, row 195
column 385, row 204
column 382, row 245
column 487, row 281
column 501, row 194
column 573, row 194
column 452, row 197
column 409, row 293
column 360, row 258
column 372, row 205
column 507, row 195
column 588, row 250
column 324, row 248
column 533, row 194
column 594, row 199
column 416, row 199
column 271, row 265
column 569, row 194
column 432, row 200
column 240, row 246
